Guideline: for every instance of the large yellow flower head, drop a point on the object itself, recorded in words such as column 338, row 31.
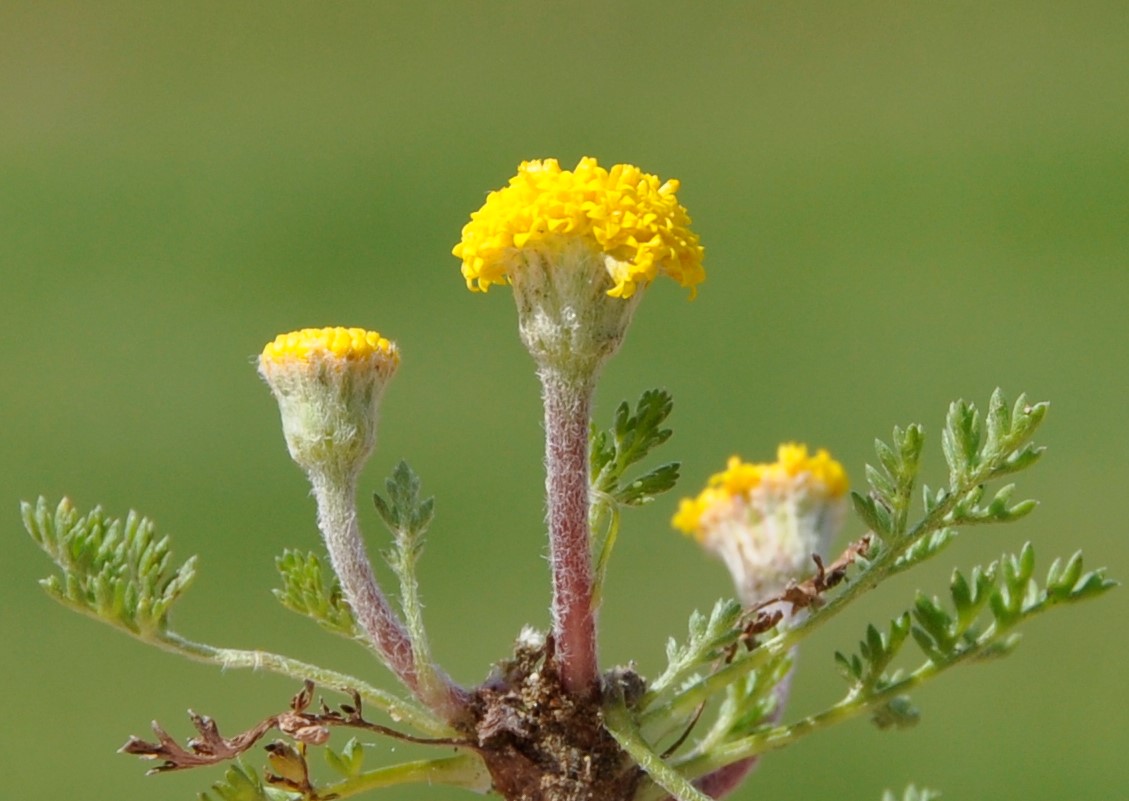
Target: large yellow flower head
column 765, row 520
column 328, row 383
column 577, row 246
column 629, row 217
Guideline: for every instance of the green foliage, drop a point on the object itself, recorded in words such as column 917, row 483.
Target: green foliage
column 621, row 724
column 748, row 703
column 924, row 547
column 707, row 640
column 711, row 643
column 630, row 439
column 115, row 570
column 307, row 591
column 408, row 518
column 242, row 783
column 403, row 512
column 977, row 623
column 733, row 661
column 1007, row 590
column 886, row 510
column 866, row 670
column 976, row 452
column 349, row 761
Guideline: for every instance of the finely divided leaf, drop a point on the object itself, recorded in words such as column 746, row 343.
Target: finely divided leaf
column 630, row 439
column 116, row 570
column 307, row 590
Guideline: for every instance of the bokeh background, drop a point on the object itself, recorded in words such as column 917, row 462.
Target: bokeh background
column 902, row 204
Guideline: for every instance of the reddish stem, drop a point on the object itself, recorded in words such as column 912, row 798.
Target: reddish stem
column 337, row 519
column 568, row 403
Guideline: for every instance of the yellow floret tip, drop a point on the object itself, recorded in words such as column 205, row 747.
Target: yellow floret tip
column 629, row 216
column 793, row 460
column 333, row 342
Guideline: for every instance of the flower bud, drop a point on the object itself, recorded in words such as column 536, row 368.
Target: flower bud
column 766, row 520
column 328, row 383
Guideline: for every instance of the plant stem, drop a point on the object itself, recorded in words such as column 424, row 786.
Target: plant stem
column 777, row 737
column 568, row 405
column 462, row 770
column 621, row 726
column 397, row 708
column 337, row 519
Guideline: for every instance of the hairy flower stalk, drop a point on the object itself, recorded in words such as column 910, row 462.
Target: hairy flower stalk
column 567, row 411
column 578, row 247
column 766, row 521
column 328, row 383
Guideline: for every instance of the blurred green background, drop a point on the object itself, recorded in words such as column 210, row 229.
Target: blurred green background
column 902, row 204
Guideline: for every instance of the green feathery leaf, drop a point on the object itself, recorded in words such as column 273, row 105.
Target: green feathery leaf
column 977, row 622
column 630, row 439
column 886, row 507
column 976, row 452
column 408, row 518
column 115, row 570
column 403, row 512
column 707, row 640
column 307, row 591
column 866, row 671
column 349, row 762
column 243, row 783
column 749, row 702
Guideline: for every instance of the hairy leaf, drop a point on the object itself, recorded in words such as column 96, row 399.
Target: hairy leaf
column 307, row 591
column 630, row 439
column 116, row 570
column 243, row 783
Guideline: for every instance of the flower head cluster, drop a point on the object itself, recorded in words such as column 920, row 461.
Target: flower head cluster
column 328, row 383
column 577, row 246
column 627, row 216
column 765, row 520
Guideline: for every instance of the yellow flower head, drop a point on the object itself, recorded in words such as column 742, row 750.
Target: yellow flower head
column 627, row 216
column 352, row 344
column 765, row 520
column 328, row 383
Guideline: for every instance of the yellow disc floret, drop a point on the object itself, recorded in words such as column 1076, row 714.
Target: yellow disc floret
column 630, row 217
column 335, row 342
column 819, row 471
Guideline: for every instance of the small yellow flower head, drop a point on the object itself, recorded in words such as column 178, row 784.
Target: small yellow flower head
column 766, row 520
column 578, row 246
column 328, row 383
